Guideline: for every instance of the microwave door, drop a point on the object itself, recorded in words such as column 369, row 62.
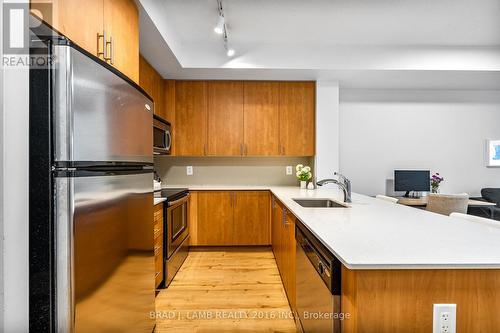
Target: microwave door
column 162, row 137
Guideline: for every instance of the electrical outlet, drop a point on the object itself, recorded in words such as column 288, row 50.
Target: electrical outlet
column 289, row 170
column 444, row 318
column 189, row 170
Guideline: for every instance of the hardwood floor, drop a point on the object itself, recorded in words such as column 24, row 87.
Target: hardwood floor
column 225, row 290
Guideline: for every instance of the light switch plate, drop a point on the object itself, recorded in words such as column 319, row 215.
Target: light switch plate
column 445, row 318
column 289, row 170
column 189, row 170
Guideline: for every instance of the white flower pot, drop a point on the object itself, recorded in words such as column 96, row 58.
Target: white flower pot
column 303, row 184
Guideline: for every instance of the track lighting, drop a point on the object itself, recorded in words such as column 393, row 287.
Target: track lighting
column 219, row 28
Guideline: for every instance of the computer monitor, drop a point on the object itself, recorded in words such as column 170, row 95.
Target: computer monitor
column 412, row 180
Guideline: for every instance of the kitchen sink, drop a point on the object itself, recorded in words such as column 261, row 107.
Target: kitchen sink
column 319, row 203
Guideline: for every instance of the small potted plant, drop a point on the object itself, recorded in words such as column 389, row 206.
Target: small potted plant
column 303, row 174
column 436, row 180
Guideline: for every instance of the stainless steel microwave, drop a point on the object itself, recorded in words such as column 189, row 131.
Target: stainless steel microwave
column 162, row 137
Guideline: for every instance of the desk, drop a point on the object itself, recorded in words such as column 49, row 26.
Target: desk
column 422, row 202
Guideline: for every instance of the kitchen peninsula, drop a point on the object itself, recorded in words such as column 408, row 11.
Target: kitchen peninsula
column 396, row 261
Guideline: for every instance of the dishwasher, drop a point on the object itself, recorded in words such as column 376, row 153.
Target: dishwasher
column 318, row 284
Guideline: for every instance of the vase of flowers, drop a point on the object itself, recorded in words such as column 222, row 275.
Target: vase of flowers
column 436, row 180
column 303, row 174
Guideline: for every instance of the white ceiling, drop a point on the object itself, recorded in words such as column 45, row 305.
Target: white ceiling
column 358, row 42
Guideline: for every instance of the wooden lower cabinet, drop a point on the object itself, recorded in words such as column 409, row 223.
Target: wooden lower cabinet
column 158, row 243
column 402, row 300
column 252, row 221
column 230, row 218
column 215, row 218
column 283, row 243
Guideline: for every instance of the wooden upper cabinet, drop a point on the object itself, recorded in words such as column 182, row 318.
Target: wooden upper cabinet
column 121, row 24
column 261, row 118
column 190, row 130
column 225, row 118
column 146, row 78
column 215, row 218
column 152, row 83
column 297, row 118
column 252, row 218
column 101, row 26
column 80, row 28
column 241, row 118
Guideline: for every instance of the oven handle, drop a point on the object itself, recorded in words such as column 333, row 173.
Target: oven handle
column 172, row 203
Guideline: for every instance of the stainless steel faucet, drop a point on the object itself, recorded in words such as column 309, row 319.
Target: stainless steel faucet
column 342, row 182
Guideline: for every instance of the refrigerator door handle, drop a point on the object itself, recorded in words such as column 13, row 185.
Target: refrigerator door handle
column 64, row 226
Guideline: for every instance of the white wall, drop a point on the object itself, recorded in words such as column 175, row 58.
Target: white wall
column 327, row 129
column 14, row 196
column 444, row 131
column 1, row 175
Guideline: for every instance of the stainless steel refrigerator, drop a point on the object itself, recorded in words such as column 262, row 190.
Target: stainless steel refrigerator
column 91, row 196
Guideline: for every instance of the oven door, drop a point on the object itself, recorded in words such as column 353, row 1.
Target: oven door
column 177, row 223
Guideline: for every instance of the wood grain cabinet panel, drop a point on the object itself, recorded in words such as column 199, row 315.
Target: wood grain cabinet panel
column 230, row 218
column 402, row 300
column 117, row 20
column 289, row 257
column 152, row 82
column 158, row 243
column 146, row 78
column 276, row 221
column 215, row 218
column 190, row 129
column 283, row 244
column 225, row 118
column 252, row 221
column 261, row 118
column 82, row 29
column 121, row 23
column 297, row 118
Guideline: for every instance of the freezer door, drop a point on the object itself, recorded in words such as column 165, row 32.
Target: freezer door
column 105, row 258
column 98, row 116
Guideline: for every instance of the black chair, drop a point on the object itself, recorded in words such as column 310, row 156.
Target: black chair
column 490, row 195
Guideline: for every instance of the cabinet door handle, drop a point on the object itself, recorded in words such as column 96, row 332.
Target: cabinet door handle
column 205, row 149
column 241, row 149
column 245, row 149
column 110, row 43
column 103, row 53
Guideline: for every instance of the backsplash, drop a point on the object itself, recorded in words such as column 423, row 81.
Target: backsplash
column 228, row 170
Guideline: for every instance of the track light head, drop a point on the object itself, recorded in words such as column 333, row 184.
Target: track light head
column 219, row 28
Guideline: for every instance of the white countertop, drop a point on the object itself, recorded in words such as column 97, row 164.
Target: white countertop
column 159, row 200
column 375, row 234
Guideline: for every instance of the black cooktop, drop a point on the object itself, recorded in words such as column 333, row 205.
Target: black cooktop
column 173, row 193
